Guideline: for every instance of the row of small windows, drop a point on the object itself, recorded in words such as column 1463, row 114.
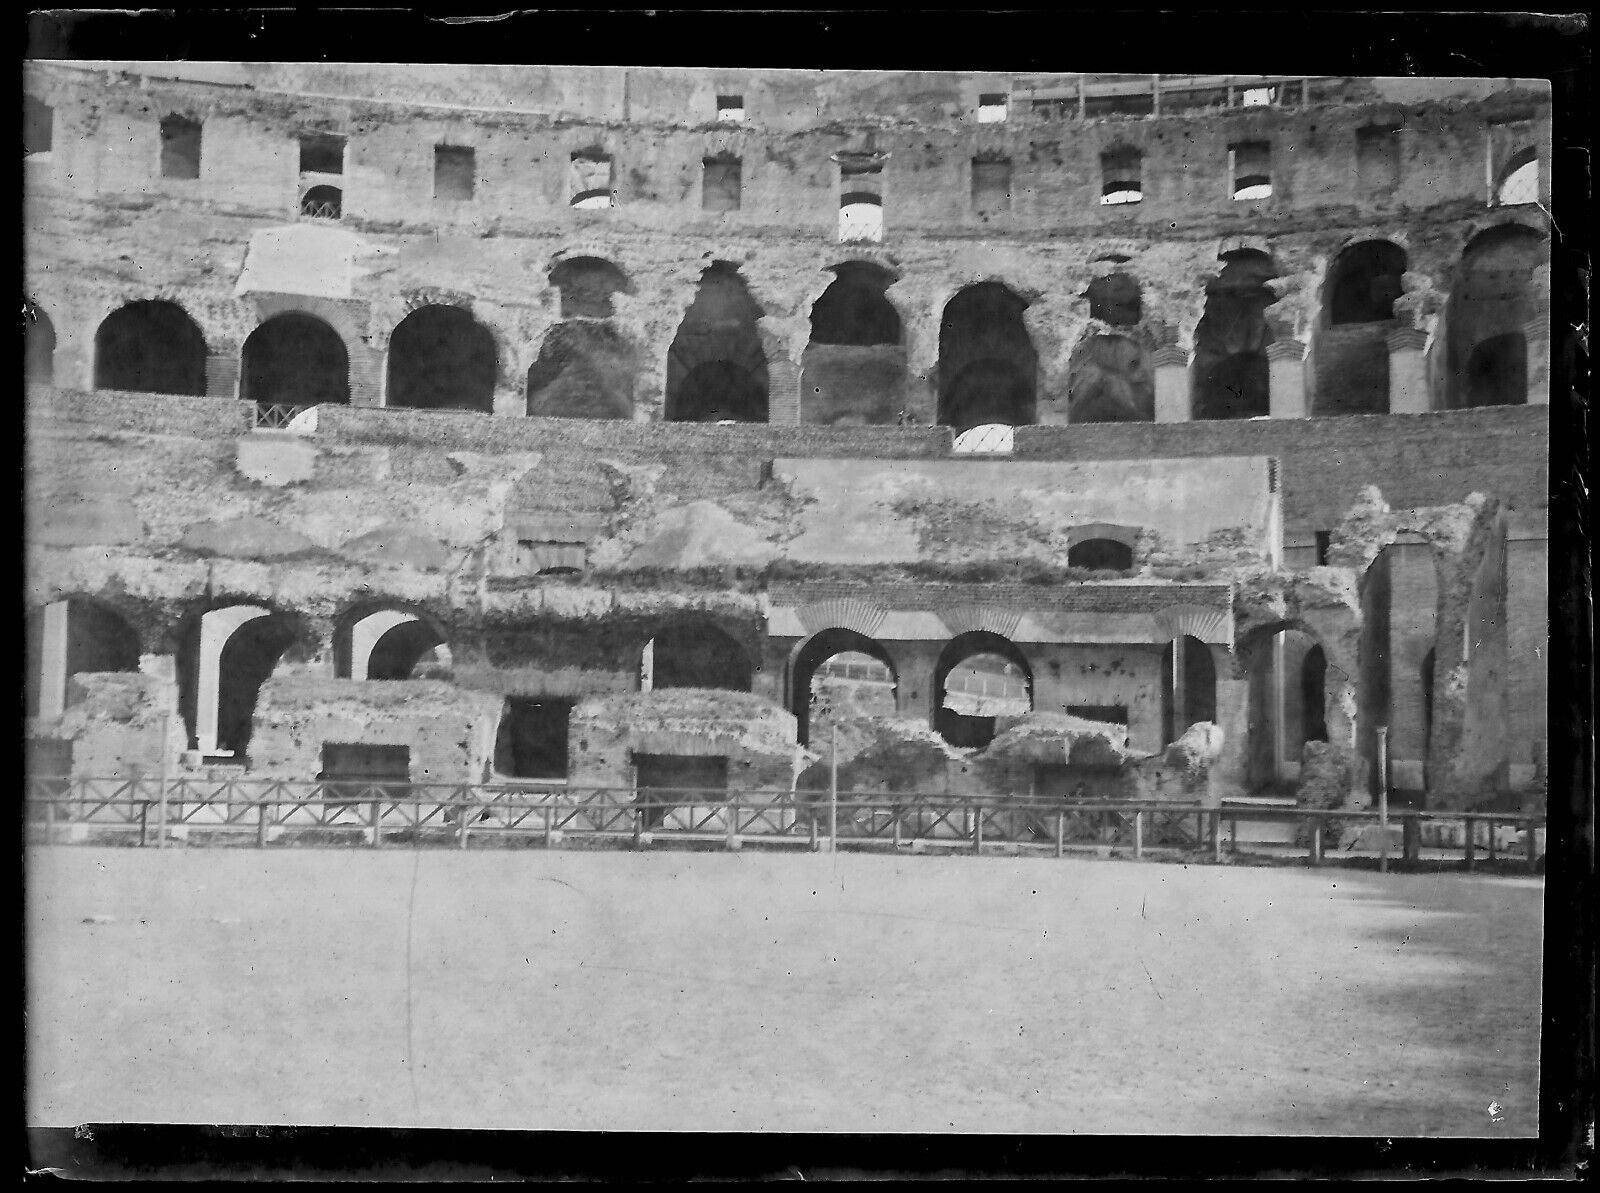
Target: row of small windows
column 861, row 199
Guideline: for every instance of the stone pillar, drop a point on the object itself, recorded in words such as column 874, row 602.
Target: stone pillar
column 222, row 373
column 1286, row 379
column 1408, row 372
column 783, row 392
column 1537, row 334
column 1171, row 365
column 216, row 627
column 1230, row 773
column 53, row 661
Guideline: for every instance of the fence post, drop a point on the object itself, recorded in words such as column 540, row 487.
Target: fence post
column 377, row 824
column 1216, row 835
column 833, row 791
column 144, row 819
column 1138, row 834
column 638, row 827
column 549, row 816
column 161, row 787
column 50, row 820
column 1316, row 843
column 261, row 824
column 1492, row 851
column 895, row 813
column 813, row 820
column 733, row 823
column 1471, row 843
column 463, row 824
column 1061, row 834
column 1383, row 799
column 977, row 828
column 1533, row 846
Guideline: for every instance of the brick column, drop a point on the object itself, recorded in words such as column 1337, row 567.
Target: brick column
column 1408, row 372
column 1537, row 333
column 222, row 373
column 1286, row 378
column 1171, row 365
column 783, row 392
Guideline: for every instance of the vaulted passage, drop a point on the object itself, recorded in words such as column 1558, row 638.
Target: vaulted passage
column 695, row 655
column 441, row 358
column 223, row 659
column 1230, row 359
column 988, row 369
column 1288, row 672
column 532, row 740
column 1188, row 686
column 39, row 349
column 152, row 347
column 1109, row 381
column 716, row 368
column 296, row 359
column 1101, row 555
column 980, row 677
column 1486, row 358
column 70, row 637
column 853, row 370
column 1351, row 348
column 587, row 285
column 585, row 370
column 839, row 674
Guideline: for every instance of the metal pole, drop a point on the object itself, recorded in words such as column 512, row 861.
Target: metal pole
column 1216, row 835
column 1383, row 799
column 1472, row 844
column 833, row 790
column 261, row 824
column 161, row 789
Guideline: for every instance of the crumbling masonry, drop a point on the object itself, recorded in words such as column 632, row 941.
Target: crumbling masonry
column 1050, row 435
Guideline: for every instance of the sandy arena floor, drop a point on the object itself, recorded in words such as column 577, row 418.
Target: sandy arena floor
column 764, row 991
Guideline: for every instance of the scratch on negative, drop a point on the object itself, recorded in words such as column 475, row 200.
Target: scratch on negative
column 1153, row 985
column 411, row 1048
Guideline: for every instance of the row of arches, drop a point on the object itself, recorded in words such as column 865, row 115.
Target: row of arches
column 853, row 369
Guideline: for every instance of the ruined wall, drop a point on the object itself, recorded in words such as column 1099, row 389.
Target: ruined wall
column 115, row 721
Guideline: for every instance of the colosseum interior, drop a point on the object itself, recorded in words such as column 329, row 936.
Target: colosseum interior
column 1145, row 436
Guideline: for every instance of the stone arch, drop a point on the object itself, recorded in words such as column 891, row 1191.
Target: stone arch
column 586, row 284
column 151, row 346
column 962, row 729
column 387, row 641
column 1230, row 359
column 854, row 364
column 1272, row 657
column 1350, row 363
column 1490, row 305
column 816, row 650
column 295, row 358
column 1101, row 555
column 988, row 368
column 586, row 368
column 38, row 345
column 717, row 366
column 227, row 650
column 442, row 358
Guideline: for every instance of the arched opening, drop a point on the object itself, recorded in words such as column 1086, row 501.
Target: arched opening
column 980, row 678
column 1285, row 710
column 716, row 368
column 296, row 359
column 1351, row 349
column 1364, row 282
column 66, row 638
column 1519, row 179
column 1188, row 686
column 1115, row 299
column 1491, row 303
column 39, row 346
column 1230, row 360
column 223, row 659
column 150, row 347
column 853, row 368
column 441, row 358
column 387, row 644
column 1497, row 371
column 322, row 202
column 694, row 655
column 988, row 369
column 1101, row 555
column 585, row 370
column 860, row 217
column 1109, row 381
column 838, row 674
column 586, row 285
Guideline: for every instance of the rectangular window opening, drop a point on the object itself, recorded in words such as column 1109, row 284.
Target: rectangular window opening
column 861, row 200
column 455, row 172
column 721, row 184
column 1324, row 541
column 992, row 108
column 356, row 771
column 180, row 147
column 673, row 780
column 1257, row 96
column 1250, row 167
column 321, row 153
column 533, row 739
column 590, row 181
column 1378, row 158
column 1121, row 176
column 991, row 185
column 730, row 108
column 38, row 120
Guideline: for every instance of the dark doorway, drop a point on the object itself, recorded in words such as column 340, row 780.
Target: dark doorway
column 667, row 780
column 355, row 771
column 1100, row 555
column 441, row 358
column 532, row 742
column 150, row 347
column 716, row 367
column 39, row 347
column 1188, row 688
column 988, row 369
column 1230, row 361
column 1497, row 371
column 698, row 655
column 295, row 359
